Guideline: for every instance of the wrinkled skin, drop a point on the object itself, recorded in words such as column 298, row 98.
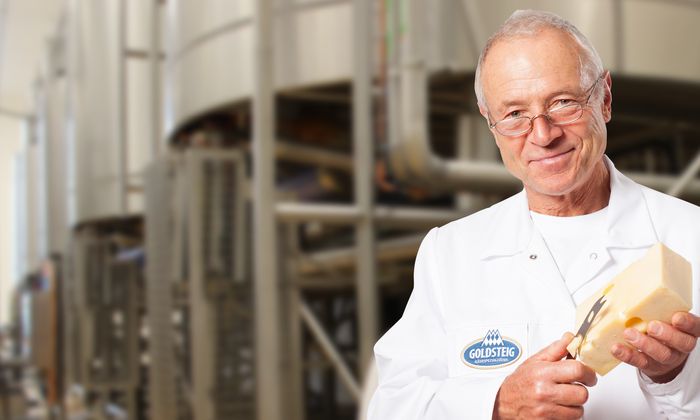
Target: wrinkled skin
column 660, row 353
column 546, row 386
column 561, row 167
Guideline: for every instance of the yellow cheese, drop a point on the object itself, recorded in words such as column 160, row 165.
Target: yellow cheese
column 652, row 288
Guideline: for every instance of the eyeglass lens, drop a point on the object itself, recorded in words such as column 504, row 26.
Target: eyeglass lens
column 558, row 116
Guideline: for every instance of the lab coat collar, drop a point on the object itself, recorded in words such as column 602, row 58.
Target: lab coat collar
column 628, row 222
column 511, row 228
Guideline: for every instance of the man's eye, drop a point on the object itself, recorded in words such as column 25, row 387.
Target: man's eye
column 513, row 114
column 563, row 102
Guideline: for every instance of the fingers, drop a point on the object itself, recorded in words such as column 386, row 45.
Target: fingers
column 635, row 358
column 673, row 337
column 561, row 402
column 558, row 412
column 662, row 351
column 572, row 371
column 555, row 351
column 687, row 322
column 659, row 372
column 545, row 386
column 653, row 348
column 571, row 395
column 573, row 413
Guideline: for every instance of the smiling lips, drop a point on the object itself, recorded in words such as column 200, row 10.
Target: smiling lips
column 553, row 159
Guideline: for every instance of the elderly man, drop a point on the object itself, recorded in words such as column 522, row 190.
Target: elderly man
column 513, row 274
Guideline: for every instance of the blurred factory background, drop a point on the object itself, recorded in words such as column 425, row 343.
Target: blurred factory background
column 209, row 209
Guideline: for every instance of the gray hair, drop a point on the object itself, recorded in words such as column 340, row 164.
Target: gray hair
column 531, row 22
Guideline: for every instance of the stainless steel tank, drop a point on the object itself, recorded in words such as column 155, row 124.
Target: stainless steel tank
column 653, row 38
column 107, row 107
column 209, row 44
column 50, row 139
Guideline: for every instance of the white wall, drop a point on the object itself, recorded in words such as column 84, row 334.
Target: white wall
column 11, row 138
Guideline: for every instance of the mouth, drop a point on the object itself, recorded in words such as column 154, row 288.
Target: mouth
column 552, row 159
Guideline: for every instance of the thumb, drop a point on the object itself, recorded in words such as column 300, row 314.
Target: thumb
column 555, row 351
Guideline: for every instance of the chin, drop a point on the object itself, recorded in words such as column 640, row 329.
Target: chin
column 553, row 188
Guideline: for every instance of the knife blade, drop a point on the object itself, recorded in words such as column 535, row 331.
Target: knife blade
column 586, row 325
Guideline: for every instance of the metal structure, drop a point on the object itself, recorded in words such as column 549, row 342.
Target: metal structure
column 200, row 288
column 104, row 314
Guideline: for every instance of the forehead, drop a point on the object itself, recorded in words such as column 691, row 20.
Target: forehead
column 532, row 67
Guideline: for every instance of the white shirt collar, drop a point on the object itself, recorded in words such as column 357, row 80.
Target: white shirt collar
column 628, row 222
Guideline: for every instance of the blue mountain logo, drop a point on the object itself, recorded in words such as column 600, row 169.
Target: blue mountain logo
column 491, row 352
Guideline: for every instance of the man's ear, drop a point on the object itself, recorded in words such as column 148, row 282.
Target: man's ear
column 606, row 106
column 484, row 113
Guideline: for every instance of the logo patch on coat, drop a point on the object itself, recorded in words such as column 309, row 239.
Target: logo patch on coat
column 491, row 352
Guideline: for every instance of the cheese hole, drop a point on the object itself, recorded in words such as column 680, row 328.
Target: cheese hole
column 637, row 324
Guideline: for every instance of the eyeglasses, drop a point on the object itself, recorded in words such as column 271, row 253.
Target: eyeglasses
column 560, row 114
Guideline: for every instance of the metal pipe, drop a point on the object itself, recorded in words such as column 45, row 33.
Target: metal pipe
column 414, row 217
column 666, row 182
column 293, row 212
column 154, row 59
column 329, row 350
column 122, row 131
column 684, row 180
column 480, row 176
column 268, row 363
column 313, row 156
column 411, row 154
column 327, row 213
column 345, row 258
column 363, row 153
column 10, row 113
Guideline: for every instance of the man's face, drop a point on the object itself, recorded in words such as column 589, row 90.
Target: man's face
column 529, row 76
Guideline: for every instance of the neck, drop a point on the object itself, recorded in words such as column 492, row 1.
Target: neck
column 592, row 196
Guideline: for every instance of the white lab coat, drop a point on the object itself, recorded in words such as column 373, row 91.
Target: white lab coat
column 492, row 271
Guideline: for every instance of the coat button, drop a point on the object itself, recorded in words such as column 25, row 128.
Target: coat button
column 593, row 256
column 533, row 256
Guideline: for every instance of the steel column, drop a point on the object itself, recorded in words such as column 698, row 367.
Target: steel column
column 363, row 152
column 295, row 409
column 154, row 63
column 268, row 364
column 122, row 109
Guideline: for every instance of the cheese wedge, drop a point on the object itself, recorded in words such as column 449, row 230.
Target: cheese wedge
column 652, row 288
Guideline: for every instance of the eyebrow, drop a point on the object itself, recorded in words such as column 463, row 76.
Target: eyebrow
column 516, row 102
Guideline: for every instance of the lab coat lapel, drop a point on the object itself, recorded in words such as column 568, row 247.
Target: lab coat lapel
column 539, row 266
column 593, row 259
column 628, row 225
column 514, row 236
column 629, row 222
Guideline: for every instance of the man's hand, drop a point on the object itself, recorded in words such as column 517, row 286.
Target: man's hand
column 545, row 386
column 660, row 353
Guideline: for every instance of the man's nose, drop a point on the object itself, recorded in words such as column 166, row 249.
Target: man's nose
column 543, row 131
